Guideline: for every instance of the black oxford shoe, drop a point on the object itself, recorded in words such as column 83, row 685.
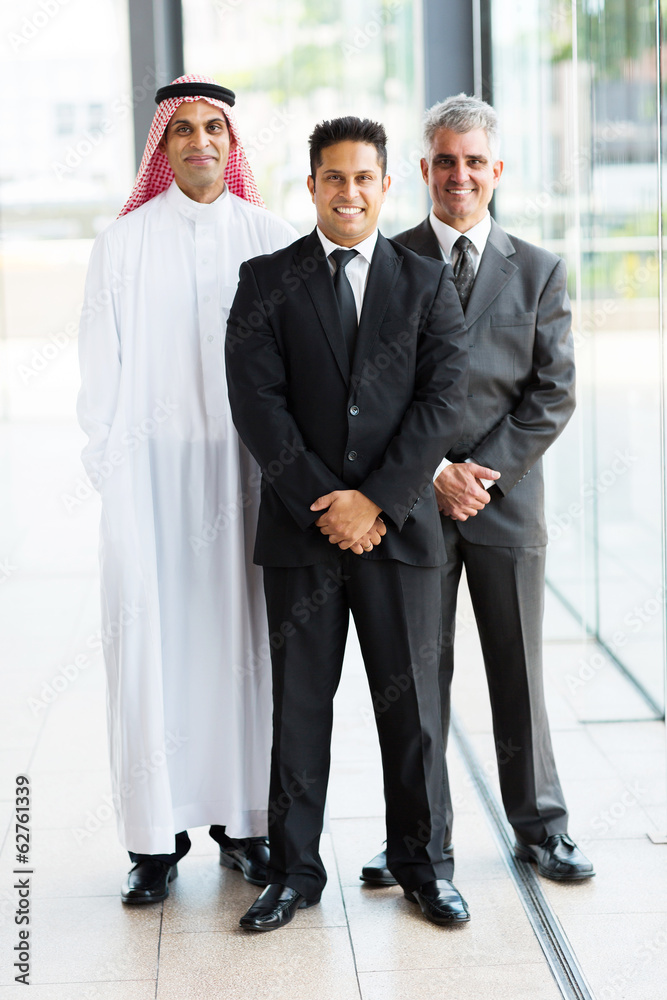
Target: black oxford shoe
column 377, row 873
column 557, row 857
column 251, row 856
column 440, row 902
column 148, row 882
column 274, row 908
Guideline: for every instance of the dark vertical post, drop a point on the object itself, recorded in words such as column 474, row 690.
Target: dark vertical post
column 448, row 49
column 156, row 53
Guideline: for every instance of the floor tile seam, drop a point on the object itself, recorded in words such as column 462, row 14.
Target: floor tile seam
column 82, row 982
column 159, row 943
column 244, row 935
column 457, row 968
column 91, row 982
column 445, row 968
column 349, row 933
column 166, row 932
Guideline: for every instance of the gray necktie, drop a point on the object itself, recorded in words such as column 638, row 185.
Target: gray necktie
column 464, row 270
column 346, row 304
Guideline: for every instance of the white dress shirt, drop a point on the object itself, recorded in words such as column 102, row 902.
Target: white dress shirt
column 357, row 269
column 447, row 237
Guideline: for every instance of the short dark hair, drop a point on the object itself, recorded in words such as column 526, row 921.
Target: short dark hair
column 348, row 129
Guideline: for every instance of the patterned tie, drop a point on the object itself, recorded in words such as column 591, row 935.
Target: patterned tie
column 346, row 304
column 464, row 271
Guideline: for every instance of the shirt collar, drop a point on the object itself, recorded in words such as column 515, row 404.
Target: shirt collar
column 365, row 248
column 447, row 236
column 194, row 209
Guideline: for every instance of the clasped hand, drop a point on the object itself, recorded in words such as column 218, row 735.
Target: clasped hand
column 350, row 520
column 459, row 491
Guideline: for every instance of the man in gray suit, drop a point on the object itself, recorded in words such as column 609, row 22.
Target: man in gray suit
column 490, row 487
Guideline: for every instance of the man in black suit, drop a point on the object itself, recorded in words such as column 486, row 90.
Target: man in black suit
column 347, row 376
column 521, row 396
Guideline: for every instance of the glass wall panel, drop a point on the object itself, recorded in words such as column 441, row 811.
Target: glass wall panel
column 578, row 100
column 314, row 60
column 66, row 168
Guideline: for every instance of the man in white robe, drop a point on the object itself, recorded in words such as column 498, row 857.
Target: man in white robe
column 187, row 650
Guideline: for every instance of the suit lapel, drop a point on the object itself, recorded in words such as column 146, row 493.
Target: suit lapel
column 495, row 270
column 382, row 276
column 320, row 288
column 424, row 241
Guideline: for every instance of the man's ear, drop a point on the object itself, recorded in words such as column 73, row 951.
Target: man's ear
column 310, row 181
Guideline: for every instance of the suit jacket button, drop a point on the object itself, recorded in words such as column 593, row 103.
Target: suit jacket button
column 351, row 456
column 354, row 410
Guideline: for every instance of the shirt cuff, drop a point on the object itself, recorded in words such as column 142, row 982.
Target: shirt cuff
column 443, row 465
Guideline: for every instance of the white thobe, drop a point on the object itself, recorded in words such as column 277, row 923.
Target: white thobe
column 183, row 618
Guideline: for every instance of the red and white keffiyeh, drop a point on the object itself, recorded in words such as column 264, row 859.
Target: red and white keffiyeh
column 155, row 175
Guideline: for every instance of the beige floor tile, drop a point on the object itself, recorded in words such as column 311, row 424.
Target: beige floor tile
column 622, row 958
column 592, row 684
column 508, row 982
column 83, row 714
column 355, row 789
column 631, row 877
column 92, row 940
column 74, row 800
column 129, row 990
column 355, row 735
column 578, row 757
column 19, row 726
column 310, row 964
column 390, row 933
column 87, row 865
column 658, row 817
column 606, row 808
column 623, row 737
column 12, row 762
column 208, row 897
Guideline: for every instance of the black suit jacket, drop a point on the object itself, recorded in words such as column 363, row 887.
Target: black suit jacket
column 521, row 392
column 315, row 426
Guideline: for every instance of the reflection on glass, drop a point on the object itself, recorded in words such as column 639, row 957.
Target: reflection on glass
column 578, row 104
column 314, row 60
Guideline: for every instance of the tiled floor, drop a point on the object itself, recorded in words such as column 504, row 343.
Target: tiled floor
column 360, row 942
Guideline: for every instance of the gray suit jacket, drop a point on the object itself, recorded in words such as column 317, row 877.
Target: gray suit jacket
column 521, row 391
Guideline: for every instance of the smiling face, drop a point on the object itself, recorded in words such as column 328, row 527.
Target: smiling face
column 197, row 144
column 461, row 176
column 348, row 190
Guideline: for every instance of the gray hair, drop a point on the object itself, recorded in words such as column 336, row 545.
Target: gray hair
column 462, row 114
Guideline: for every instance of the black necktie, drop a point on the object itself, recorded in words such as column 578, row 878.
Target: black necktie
column 346, row 304
column 464, row 271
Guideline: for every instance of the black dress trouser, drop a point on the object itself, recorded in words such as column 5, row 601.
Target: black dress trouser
column 396, row 609
column 506, row 587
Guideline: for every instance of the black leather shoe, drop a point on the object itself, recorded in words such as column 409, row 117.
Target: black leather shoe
column 557, row 857
column 274, row 908
column 148, row 882
column 251, row 856
column 440, row 901
column 377, row 873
